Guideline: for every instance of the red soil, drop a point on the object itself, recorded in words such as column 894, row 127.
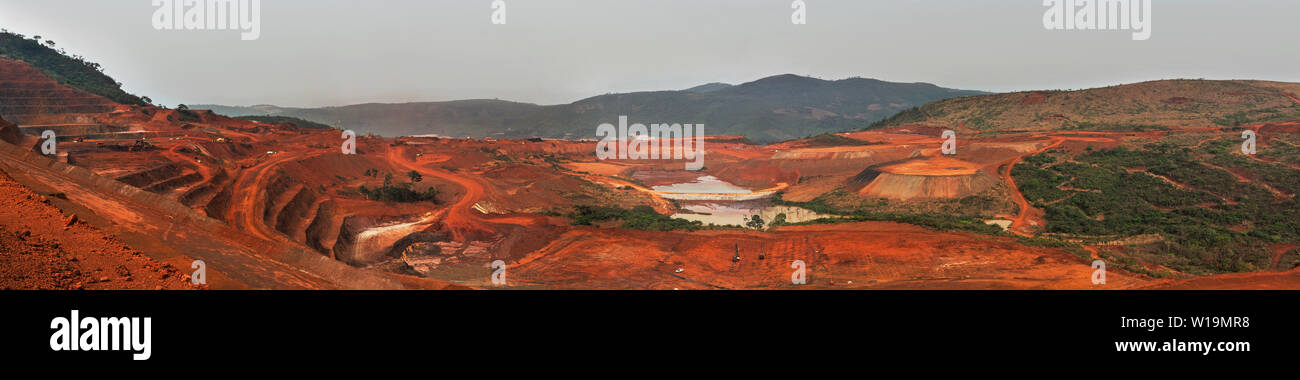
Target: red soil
column 869, row 255
column 935, row 166
column 1288, row 280
column 9, row 132
column 42, row 248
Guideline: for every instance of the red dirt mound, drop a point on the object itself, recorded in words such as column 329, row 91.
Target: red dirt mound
column 928, row 178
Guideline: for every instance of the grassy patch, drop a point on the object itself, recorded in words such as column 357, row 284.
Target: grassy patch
column 932, row 221
column 637, row 218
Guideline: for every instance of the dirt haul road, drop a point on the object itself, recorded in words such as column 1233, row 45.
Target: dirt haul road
column 250, row 188
column 461, row 219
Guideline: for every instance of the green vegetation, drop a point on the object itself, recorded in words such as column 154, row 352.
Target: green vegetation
column 300, row 123
column 1208, row 219
column 1114, row 127
column 1146, row 106
column 908, row 116
column 831, row 139
column 638, row 218
column 1282, row 151
column 1258, row 116
column 932, row 221
column 778, row 220
column 1233, row 120
column 73, row 71
column 401, row 192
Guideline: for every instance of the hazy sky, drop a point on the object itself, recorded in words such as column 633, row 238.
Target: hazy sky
column 336, row 52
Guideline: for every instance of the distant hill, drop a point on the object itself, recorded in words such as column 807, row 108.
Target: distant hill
column 770, row 109
column 1141, row 106
column 710, row 87
column 300, row 123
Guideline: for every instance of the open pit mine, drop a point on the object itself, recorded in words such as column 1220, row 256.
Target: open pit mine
column 135, row 196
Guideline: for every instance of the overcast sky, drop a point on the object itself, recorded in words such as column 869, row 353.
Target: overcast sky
column 337, row 52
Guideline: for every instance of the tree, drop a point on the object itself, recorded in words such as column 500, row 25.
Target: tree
column 779, row 219
column 182, row 107
column 388, row 179
column 755, row 222
column 415, row 176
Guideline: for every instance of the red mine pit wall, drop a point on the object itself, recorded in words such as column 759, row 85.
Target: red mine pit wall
column 916, row 187
column 26, row 94
column 225, row 243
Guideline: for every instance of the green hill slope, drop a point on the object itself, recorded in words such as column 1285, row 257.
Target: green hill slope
column 71, row 71
column 1140, row 106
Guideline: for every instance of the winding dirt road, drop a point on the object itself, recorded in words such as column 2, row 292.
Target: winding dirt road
column 460, row 218
column 1021, row 223
column 250, row 190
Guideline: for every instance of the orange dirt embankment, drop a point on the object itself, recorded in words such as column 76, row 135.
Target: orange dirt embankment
column 873, row 255
column 42, row 248
column 1288, row 280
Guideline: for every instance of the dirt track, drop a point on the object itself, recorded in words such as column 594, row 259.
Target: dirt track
column 1029, row 217
column 460, row 217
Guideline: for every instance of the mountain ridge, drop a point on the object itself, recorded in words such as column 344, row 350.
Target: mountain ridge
column 774, row 108
column 1158, row 104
